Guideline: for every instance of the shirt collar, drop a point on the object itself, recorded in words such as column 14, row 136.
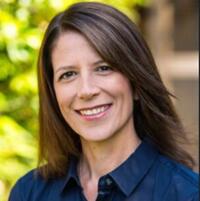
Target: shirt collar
column 71, row 176
column 129, row 174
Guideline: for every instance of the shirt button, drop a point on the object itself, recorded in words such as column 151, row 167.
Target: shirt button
column 108, row 181
column 101, row 193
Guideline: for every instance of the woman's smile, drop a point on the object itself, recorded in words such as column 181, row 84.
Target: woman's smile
column 94, row 113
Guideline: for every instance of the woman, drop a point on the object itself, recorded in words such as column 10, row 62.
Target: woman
column 108, row 129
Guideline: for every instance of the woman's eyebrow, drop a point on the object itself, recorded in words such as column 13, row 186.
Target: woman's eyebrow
column 71, row 66
column 98, row 62
column 64, row 68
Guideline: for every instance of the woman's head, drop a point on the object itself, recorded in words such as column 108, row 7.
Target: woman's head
column 117, row 41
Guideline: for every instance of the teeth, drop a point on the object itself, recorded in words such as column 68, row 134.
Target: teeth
column 93, row 111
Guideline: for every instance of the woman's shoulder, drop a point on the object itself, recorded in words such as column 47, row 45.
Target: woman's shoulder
column 177, row 179
column 29, row 176
column 27, row 185
column 179, row 171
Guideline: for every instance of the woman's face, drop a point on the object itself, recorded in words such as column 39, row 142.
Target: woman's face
column 94, row 99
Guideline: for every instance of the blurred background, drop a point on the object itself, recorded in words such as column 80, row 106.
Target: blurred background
column 170, row 28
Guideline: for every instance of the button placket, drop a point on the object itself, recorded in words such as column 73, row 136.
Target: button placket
column 104, row 188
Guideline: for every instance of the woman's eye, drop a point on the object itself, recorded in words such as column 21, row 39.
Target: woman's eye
column 104, row 68
column 67, row 75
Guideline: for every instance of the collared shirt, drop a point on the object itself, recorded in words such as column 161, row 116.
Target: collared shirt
column 145, row 176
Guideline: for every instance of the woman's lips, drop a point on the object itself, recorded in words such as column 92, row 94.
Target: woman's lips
column 94, row 112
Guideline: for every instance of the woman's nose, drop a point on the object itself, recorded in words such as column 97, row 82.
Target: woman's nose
column 87, row 88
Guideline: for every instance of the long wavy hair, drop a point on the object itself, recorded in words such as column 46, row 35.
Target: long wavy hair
column 118, row 41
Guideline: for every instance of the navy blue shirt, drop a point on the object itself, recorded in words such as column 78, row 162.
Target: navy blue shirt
column 145, row 176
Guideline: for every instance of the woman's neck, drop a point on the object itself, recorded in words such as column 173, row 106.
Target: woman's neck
column 100, row 158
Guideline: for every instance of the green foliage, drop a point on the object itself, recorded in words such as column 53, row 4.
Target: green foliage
column 22, row 24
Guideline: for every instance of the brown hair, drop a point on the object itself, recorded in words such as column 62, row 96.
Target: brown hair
column 117, row 40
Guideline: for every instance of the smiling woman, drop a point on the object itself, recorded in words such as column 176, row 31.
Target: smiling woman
column 108, row 129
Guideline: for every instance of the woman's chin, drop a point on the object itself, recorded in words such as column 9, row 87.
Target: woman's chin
column 95, row 139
